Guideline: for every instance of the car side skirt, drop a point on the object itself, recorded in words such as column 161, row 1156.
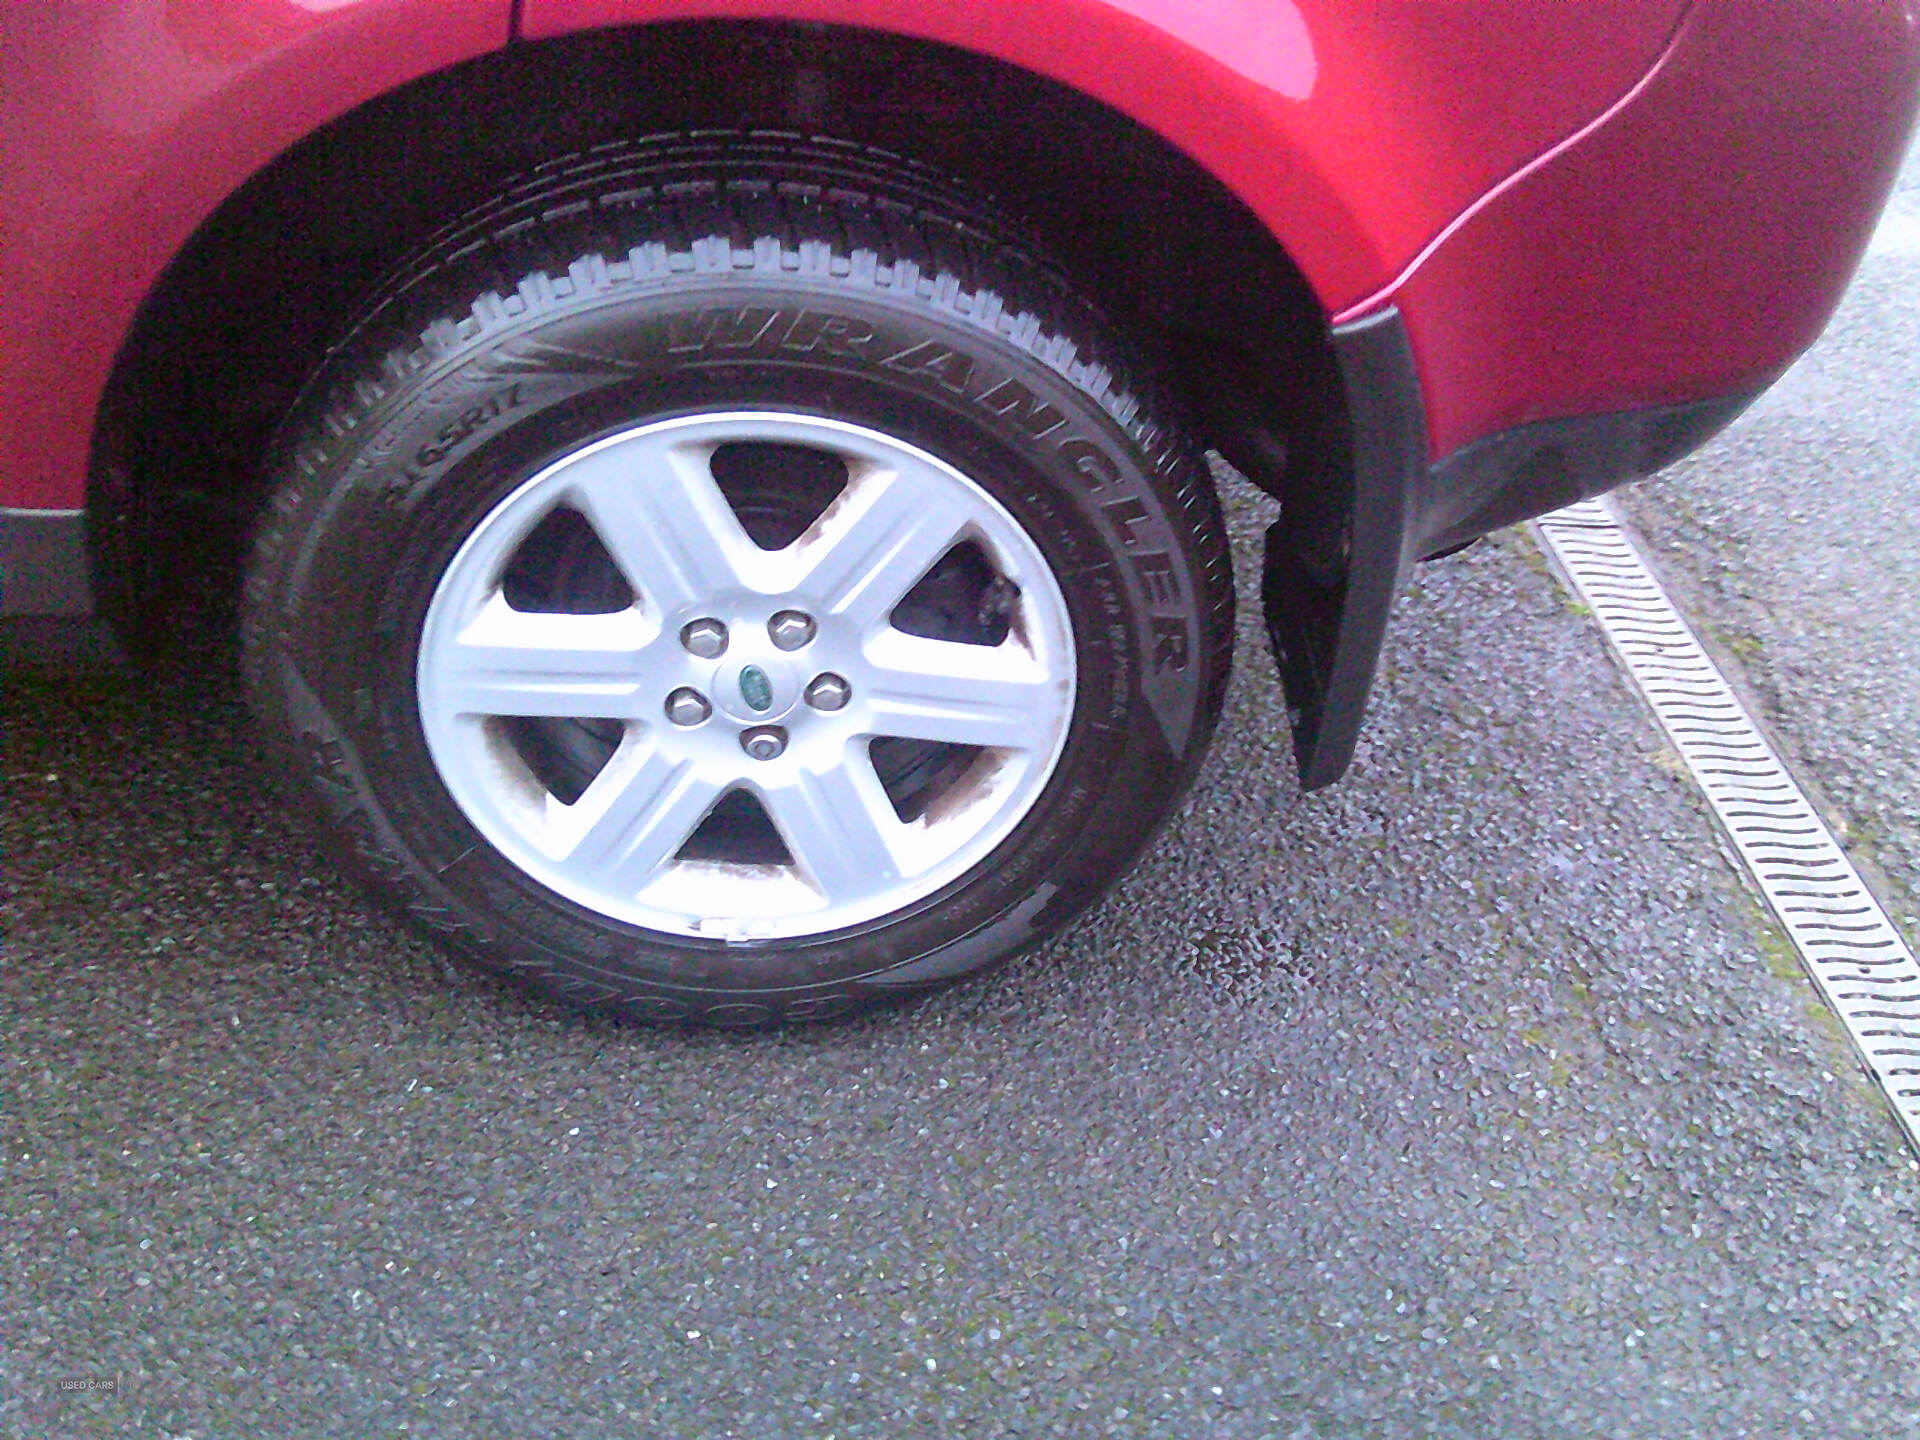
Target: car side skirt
column 44, row 564
column 46, row 594
column 1528, row 471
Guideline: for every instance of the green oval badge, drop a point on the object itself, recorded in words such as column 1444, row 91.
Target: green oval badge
column 756, row 689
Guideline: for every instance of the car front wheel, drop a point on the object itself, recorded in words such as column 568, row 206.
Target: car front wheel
column 729, row 582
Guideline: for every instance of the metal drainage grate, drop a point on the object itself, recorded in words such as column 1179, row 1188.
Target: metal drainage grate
column 1856, row 957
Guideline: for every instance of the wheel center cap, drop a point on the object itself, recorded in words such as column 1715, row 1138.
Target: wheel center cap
column 756, row 691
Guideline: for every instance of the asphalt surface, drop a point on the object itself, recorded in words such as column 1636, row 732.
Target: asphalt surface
column 1472, row 1098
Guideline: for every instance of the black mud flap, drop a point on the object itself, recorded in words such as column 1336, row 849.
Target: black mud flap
column 1345, row 540
column 1327, row 591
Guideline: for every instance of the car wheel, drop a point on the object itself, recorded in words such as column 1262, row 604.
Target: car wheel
column 732, row 581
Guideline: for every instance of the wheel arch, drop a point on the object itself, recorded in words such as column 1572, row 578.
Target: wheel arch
column 251, row 300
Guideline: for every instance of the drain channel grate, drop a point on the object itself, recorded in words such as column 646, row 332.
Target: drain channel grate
column 1858, row 960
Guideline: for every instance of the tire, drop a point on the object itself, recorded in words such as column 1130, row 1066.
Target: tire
column 727, row 581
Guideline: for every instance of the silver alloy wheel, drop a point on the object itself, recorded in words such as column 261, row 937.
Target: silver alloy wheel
column 650, row 496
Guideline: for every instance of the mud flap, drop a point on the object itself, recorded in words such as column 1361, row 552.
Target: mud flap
column 1327, row 595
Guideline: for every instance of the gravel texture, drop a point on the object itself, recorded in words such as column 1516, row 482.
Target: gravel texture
column 1471, row 1098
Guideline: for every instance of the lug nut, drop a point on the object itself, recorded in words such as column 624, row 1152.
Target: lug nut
column 790, row 629
column 829, row 692
column 705, row 638
column 687, row 706
column 764, row 742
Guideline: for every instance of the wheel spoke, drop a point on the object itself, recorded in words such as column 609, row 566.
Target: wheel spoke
column 839, row 826
column 664, row 521
column 509, row 662
column 643, row 807
column 876, row 540
column 996, row 696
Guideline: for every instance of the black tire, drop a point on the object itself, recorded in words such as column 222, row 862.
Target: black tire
column 694, row 277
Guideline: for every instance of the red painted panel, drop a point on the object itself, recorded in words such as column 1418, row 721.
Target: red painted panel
column 1699, row 241
column 127, row 123
column 1356, row 132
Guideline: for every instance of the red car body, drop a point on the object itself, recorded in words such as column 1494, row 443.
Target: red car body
column 1547, row 246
